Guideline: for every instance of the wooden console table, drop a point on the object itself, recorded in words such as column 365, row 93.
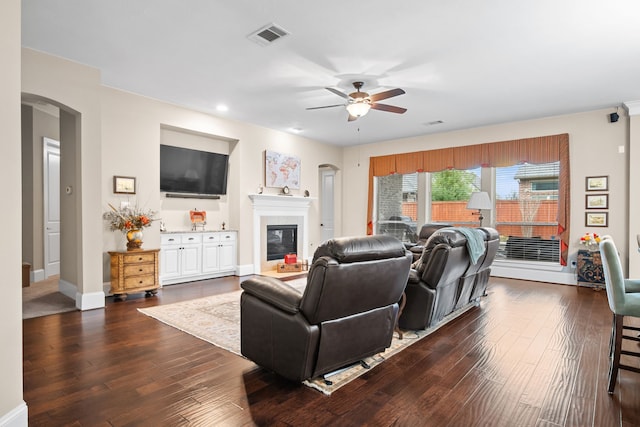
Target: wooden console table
column 134, row 271
column 590, row 271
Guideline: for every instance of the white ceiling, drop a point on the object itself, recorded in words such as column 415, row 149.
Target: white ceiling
column 468, row 63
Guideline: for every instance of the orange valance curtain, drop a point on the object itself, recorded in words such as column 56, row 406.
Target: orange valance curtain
column 543, row 149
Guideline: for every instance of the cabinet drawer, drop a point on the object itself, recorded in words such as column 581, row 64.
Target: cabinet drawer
column 191, row 238
column 139, row 281
column 136, row 258
column 138, row 270
column 170, row 239
column 210, row 238
column 227, row 237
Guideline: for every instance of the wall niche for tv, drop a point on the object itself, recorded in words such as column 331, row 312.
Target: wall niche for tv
column 193, row 164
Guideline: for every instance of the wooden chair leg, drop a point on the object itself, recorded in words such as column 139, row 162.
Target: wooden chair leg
column 614, row 352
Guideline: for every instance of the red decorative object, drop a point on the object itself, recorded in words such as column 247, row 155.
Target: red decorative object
column 290, row 258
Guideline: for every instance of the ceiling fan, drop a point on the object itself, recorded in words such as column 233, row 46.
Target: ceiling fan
column 359, row 103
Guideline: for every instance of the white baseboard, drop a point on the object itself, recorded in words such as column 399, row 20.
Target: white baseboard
column 244, row 270
column 37, row 275
column 67, row 288
column 90, row 300
column 86, row 301
column 17, row 417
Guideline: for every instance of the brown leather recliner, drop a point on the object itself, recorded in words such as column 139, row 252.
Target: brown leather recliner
column 347, row 312
column 444, row 280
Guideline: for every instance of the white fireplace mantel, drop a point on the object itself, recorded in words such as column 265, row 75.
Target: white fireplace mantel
column 273, row 205
column 278, row 201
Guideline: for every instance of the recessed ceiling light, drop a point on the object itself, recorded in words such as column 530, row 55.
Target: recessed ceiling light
column 296, row 130
column 433, row 123
column 222, row 107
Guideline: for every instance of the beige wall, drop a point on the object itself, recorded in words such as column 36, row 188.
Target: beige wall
column 634, row 188
column 75, row 89
column 594, row 144
column 12, row 407
column 28, row 225
column 120, row 134
column 132, row 130
column 36, row 124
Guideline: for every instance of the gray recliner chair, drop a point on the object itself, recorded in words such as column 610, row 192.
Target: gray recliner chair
column 348, row 310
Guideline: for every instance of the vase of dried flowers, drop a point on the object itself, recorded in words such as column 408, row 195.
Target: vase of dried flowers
column 131, row 221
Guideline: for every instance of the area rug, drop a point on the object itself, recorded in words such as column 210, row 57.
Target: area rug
column 216, row 319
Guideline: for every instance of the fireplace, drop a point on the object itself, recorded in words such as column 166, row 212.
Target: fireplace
column 281, row 240
column 275, row 210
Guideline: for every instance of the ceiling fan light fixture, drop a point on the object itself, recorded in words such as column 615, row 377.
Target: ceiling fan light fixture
column 358, row 109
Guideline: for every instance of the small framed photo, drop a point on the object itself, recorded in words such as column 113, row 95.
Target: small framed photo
column 124, row 185
column 596, row 219
column 597, row 201
column 597, row 183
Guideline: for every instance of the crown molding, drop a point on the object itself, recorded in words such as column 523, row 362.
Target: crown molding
column 633, row 107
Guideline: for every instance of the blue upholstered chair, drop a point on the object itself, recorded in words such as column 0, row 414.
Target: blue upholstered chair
column 622, row 303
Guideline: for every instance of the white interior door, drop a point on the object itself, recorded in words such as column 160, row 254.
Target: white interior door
column 51, row 193
column 327, row 179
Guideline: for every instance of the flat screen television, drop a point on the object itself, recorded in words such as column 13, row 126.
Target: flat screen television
column 193, row 172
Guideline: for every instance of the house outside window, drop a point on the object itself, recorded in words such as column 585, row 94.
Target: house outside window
column 396, row 207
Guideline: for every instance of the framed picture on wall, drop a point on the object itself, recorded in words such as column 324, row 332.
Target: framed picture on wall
column 597, row 183
column 124, row 185
column 596, row 219
column 281, row 170
column 597, row 201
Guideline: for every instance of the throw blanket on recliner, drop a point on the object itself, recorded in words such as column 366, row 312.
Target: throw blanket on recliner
column 475, row 242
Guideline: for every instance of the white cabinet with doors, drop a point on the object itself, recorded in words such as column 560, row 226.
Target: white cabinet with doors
column 193, row 256
column 218, row 252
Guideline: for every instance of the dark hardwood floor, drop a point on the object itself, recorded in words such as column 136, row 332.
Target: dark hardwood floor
column 533, row 354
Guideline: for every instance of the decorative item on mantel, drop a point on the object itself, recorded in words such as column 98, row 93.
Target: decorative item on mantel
column 590, row 241
column 131, row 221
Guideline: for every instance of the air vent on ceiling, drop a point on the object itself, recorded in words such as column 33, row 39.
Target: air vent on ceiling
column 268, row 34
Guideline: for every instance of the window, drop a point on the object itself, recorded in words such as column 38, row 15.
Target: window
column 545, row 186
column 527, row 212
column 526, row 206
column 538, row 150
column 450, row 192
column 396, row 208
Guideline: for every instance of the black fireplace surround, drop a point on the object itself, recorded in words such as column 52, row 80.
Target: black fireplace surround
column 281, row 240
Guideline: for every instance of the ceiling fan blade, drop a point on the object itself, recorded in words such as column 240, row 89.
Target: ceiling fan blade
column 337, row 92
column 352, row 118
column 387, row 94
column 389, row 108
column 326, row 106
